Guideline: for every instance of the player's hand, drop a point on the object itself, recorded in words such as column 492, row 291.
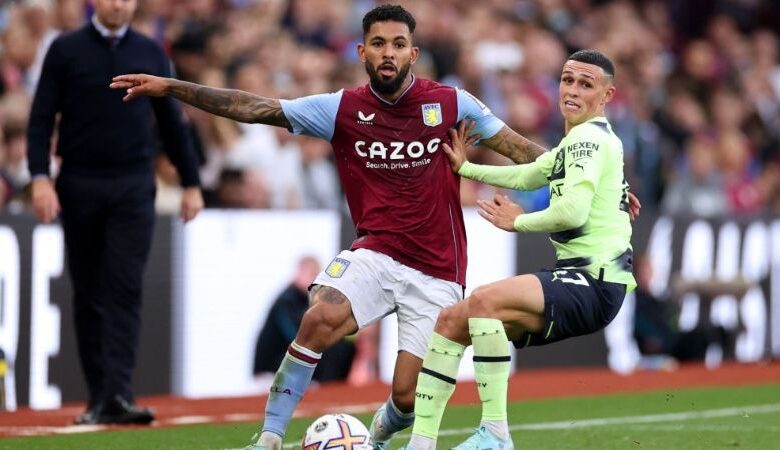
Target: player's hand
column 633, row 206
column 45, row 203
column 501, row 211
column 191, row 203
column 139, row 84
column 461, row 141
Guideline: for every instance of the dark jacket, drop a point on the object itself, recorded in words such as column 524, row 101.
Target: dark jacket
column 99, row 134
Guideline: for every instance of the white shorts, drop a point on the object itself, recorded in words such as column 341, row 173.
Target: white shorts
column 377, row 285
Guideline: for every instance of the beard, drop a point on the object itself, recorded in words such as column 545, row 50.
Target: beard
column 387, row 86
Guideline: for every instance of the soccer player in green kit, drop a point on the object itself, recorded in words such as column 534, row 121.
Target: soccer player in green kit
column 589, row 225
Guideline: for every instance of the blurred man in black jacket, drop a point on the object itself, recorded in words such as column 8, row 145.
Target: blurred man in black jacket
column 283, row 321
column 106, row 187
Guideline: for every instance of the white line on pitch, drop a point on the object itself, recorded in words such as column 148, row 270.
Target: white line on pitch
column 560, row 425
column 190, row 420
column 670, row 417
column 713, row 428
column 37, row 431
column 606, row 421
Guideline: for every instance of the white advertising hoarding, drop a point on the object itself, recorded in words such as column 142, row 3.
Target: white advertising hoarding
column 234, row 264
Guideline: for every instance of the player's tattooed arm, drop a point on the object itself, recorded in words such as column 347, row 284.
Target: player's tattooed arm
column 514, row 146
column 231, row 103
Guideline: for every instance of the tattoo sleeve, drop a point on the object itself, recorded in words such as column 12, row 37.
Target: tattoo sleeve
column 514, row 146
column 231, row 103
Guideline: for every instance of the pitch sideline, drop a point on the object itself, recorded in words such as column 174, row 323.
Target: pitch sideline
column 606, row 421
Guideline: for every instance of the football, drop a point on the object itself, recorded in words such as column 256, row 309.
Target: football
column 336, row 432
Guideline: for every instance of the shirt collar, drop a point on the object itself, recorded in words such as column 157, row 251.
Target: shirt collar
column 408, row 88
column 105, row 32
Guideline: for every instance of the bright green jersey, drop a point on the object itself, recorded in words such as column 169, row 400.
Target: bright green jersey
column 588, row 218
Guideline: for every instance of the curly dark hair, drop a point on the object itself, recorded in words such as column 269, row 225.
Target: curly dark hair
column 387, row 12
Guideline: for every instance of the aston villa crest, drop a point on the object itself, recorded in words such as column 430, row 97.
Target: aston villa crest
column 431, row 114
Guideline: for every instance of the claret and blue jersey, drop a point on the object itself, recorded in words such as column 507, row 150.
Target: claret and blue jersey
column 402, row 194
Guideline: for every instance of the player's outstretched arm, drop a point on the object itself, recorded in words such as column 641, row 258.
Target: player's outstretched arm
column 231, row 103
column 514, row 146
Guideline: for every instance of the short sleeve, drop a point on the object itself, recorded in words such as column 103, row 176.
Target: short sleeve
column 487, row 125
column 314, row 115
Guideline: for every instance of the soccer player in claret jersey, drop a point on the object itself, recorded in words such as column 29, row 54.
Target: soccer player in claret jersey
column 589, row 225
column 410, row 253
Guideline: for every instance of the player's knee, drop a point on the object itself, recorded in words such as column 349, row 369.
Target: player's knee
column 448, row 321
column 480, row 303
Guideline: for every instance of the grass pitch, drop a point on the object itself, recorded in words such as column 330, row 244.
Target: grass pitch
column 722, row 418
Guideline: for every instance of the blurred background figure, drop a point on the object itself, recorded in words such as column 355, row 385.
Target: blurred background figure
column 698, row 109
column 697, row 188
column 657, row 331
column 657, row 334
column 242, row 188
column 104, row 193
column 354, row 358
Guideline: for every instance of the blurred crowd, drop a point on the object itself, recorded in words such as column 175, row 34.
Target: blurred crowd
column 698, row 104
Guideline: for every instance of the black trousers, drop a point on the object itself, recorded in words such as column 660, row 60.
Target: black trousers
column 108, row 223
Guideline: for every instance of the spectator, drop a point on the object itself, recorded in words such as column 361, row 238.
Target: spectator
column 678, row 62
column 320, row 185
column 698, row 188
column 242, row 188
column 282, row 323
column 657, row 335
column 660, row 340
column 15, row 165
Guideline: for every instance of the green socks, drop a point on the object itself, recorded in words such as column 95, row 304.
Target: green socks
column 491, row 366
column 435, row 384
column 436, row 381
